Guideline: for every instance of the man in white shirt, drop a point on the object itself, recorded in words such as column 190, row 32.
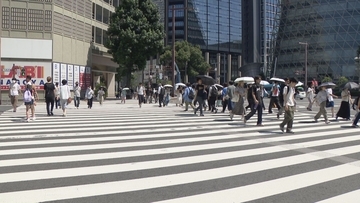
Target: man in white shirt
column 14, row 91
column 141, row 94
column 161, row 93
column 289, row 102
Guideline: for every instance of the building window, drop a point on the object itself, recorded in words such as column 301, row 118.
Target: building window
column 106, row 1
column 116, row 3
column 6, row 17
column 98, row 35
column 48, row 21
column 18, row 18
column 105, row 37
column 92, row 33
column 98, row 13
column 35, row 19
column 105, row 16
column 93, row 10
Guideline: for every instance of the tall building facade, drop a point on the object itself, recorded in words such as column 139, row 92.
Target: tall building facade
column 332, row 31
column 213, row 25
column 258, row 26
column 59, row 38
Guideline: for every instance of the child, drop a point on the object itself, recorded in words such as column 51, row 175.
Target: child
column 29, row 102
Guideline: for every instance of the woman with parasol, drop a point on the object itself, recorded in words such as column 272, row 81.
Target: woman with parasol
column 240, row 93
column 344, row 110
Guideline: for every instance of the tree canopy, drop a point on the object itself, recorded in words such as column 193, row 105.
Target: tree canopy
column 186, row 53
column 134, row 35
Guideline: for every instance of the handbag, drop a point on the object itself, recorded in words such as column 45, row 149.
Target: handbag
column 235, row 98
column 69, row 100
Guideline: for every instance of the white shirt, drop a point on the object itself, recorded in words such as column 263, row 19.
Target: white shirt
column 14, row 89
column 275, row 93
column 140, row 90
column 290, row 96
column 64, row 92
column 159, row 89
column 329, row 90
column 310, row 93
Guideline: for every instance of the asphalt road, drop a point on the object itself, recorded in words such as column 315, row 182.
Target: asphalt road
column 122, row 153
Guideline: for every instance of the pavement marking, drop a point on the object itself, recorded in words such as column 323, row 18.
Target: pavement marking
column 350, row 197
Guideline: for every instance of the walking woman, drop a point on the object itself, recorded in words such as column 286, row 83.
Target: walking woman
column 310, row 95
column 240, row 92
column 65, row 96
column 57, row 95
column 344, row 110
column 179, row 93
column 89, row 95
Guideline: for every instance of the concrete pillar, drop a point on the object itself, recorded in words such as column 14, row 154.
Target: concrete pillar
column 96, row 80
column 229, row 68
column 111, row 84
column 207, row 59
column 218, row 66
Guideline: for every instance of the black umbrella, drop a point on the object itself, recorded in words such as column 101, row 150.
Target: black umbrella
column 206, row 80
column 351, row 85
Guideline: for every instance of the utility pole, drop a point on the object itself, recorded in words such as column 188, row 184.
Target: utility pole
column 357, row 60
column 306, row 61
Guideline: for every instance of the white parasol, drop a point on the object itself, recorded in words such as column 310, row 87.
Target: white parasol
column 299, row 84
column 244, row 79
column 180, row 84
column 277, row 80
column 126, row 88
column 170, row 86
column 263, row 82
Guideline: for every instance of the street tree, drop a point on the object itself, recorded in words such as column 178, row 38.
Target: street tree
column 188, row 55
column 342, row 81
column 134, row 35
column 327, row 79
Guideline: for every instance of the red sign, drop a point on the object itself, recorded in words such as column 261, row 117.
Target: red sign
column 82, row 78
column 11, row 70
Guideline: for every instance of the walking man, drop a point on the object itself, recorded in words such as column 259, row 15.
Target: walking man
column 161, row 93
column 289, row 102
column 256, row 102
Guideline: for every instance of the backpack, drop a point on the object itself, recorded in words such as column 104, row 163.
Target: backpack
column 281, row 94
column 214, row 91
column 355, row 103
column 191, row 93
column 162, row 91
column 27, row 95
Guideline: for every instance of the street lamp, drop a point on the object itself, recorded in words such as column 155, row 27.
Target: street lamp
column 357, row 59
column 306, row 60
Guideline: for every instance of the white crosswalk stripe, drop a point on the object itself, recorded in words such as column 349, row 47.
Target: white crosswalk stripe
column 123, row 153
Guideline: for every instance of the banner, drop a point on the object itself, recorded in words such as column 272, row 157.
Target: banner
column 88, row 77
column 56, row 73
column 38, row 71
column 82, row 78
column 63, row 73
column 76, row 74
column 70, row 72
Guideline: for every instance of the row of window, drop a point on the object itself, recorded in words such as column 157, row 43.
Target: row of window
column 26, row 19
column 99, row 35
column 101, row 14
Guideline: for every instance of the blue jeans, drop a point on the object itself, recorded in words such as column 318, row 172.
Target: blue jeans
column 76, row 101
column 201, row 103
column 259, row 110
column 357, row 118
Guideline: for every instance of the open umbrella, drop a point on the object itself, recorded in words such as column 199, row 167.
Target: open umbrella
column 264, row 82
column 299, row 84
column 206, row 80
column 219, row 86
column 169, row 86
column 277, row 80
column 244, row 79
column 126, row 88
column 327, row 84
column 180, row 84
column 351, row 85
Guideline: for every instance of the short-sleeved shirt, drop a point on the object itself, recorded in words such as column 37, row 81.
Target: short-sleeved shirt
column 49, row 90
column 258, row 92
column 201, row 91
column 14, row 89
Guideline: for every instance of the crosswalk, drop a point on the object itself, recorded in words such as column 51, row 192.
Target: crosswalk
column 123, row 153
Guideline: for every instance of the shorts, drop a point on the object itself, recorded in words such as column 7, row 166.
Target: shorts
column 29, row 103
column 330, row 104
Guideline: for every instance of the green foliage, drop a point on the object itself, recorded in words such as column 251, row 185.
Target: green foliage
column 134, row 35
column 97, row 88
column 189, row 54
column 327, row 79
column 342, row 81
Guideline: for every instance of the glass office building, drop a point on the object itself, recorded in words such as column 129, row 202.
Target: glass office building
column 332, row 31
column 213, row 25
column 258, row 26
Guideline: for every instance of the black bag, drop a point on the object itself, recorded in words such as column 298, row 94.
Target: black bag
column 191, row 93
